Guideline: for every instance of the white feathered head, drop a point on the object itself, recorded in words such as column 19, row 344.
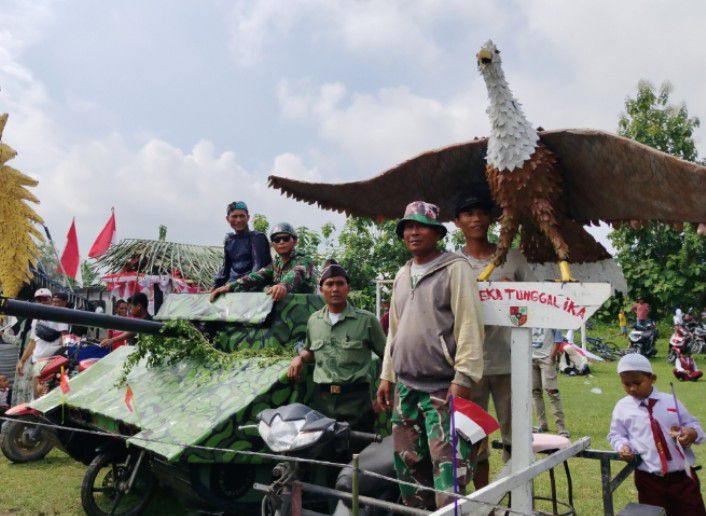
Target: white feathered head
column 488, row 56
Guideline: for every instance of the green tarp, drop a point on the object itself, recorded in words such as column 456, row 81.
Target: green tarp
column 242, row 308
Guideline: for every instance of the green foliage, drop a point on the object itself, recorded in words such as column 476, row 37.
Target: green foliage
column 89, row 274
column 665, row 266
column 180, row 341
column 369, row 250
column 260, row 223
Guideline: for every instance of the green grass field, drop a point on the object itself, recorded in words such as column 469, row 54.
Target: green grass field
column 52, row 486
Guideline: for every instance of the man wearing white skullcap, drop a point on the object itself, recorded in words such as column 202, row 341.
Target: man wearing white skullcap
column 659, row 429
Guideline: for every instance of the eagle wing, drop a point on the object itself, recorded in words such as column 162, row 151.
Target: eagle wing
column 438, row 176
column 615, row 179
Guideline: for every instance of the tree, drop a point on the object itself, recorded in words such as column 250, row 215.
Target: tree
column 665, row 266
column 89, row 274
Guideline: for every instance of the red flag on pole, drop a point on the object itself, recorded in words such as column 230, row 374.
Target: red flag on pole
column 128, row 399
column 105, row 238
column 70, row 257
column 64, row 382
column 472, row 422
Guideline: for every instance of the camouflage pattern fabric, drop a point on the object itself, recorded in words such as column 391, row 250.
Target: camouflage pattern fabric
column 285, row 327
column 421, row 430
column 243, row 308
column 297, row 274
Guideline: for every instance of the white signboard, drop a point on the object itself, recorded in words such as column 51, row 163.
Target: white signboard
column 564, row 306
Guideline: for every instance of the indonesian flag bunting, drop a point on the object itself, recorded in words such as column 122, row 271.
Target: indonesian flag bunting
column 70, row 257
column 64, row 382
column 128, row 398
column 104, row 239
column 472, row 422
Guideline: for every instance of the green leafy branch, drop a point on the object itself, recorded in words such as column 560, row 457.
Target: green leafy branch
column 180, row 341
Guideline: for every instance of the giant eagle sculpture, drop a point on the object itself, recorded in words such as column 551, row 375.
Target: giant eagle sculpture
column 548, row 184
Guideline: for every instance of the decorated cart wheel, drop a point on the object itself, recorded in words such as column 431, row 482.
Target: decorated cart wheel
column 108, row 487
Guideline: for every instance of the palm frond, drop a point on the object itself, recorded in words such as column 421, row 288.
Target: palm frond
column 197, row 263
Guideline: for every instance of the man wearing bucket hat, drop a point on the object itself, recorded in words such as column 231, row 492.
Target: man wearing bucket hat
column 434, row 350
column 291, row 272
column 244, row 250
column 473, row 216
column 340, row 340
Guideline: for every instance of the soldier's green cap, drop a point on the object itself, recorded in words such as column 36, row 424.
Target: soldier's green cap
column 282, row 227
column 237, row 205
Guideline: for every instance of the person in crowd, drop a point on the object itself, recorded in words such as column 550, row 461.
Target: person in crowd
column 60, row 300
column 434, row 350
column 4, row 395
column 678, row 318
column 45, row 341
column 385, row 318
column 685, row 367
column 244, row 250
column 659, row 429
column 137, row 309
column 642, row 311
column 340, row 340
column 623, row 323
column 572, row 359
column 117, row 337
column 544, row 354
column 473, row 216
column 291, row 272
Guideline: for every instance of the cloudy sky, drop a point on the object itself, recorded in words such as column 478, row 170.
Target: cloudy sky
column 168, row 110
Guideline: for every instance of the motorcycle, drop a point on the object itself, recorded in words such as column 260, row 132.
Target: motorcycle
column 22, row 440
column 681, row 338
column 301, row 432
column 643, row 339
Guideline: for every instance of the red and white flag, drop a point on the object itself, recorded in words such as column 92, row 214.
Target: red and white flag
column 70, row 257
column 472, row 422
column 105, row 238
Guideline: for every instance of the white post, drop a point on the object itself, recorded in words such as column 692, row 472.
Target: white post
column 521, row 364
column 378, row 304
column 583, row 336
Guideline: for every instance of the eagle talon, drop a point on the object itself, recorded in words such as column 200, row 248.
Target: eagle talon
column 485, row 275
column 566, row 276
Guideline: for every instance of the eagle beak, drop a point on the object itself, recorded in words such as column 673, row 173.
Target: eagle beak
column 484, row 57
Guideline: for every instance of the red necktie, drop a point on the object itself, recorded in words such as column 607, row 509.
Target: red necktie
column 658, row 436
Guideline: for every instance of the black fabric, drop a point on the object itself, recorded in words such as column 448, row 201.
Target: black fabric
column 376, row 457
column 332, row 271
column 45, row 333
column 243, row 254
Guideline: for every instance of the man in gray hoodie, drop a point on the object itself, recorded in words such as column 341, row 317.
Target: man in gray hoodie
column 434, row 350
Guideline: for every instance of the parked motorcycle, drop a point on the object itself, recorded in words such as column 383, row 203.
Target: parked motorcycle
column 300, row 431
column 643, row 339
column 24, row 441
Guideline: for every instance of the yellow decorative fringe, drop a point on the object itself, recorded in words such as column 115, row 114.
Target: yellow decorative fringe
column 18, row 234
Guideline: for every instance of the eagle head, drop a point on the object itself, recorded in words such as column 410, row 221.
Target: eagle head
column 488, row 55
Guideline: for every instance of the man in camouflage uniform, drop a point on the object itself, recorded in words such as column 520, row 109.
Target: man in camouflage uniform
column 340, row 340
column 292, row 272
column 434, row 350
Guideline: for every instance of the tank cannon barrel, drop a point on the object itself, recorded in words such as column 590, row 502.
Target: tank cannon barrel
column 77, row 317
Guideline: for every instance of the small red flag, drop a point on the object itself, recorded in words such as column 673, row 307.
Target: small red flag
column 70, row 257
column 104, row 239
column 128, row 398
column 64, row 382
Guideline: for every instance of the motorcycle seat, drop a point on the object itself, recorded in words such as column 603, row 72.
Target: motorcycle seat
column 376, row 457
column 85, row 364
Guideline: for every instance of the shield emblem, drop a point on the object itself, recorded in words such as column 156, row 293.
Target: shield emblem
column 518, row 315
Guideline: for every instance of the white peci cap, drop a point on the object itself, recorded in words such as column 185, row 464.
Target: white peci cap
column 634, row 362
column 43, row 292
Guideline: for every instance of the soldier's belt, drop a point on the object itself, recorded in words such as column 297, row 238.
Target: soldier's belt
column 344, row 388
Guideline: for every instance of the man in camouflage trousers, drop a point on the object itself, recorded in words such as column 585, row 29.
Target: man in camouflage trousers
column 291, row 272
column 340, row 340
column 434, row 350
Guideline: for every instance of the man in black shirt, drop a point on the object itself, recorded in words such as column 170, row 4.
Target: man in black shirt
column 244, row 250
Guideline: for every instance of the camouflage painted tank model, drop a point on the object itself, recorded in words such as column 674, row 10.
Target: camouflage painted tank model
column 180, row 410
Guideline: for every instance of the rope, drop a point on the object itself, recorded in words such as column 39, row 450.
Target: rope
column 271, row 456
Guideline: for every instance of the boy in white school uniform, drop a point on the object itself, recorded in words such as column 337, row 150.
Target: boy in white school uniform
column 649, row 423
